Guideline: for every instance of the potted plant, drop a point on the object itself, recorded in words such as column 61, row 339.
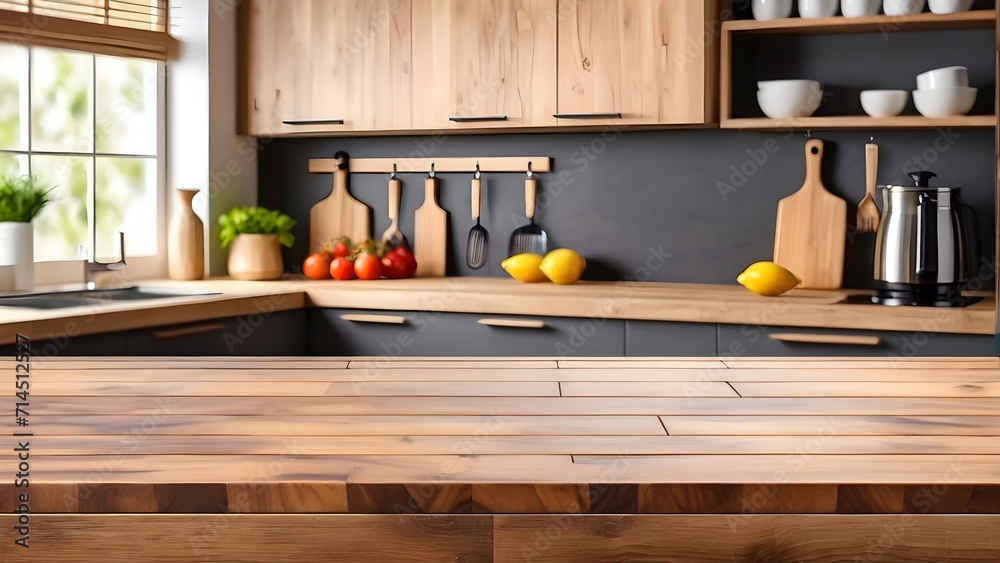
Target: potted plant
column 256, row 235
column 21, row 199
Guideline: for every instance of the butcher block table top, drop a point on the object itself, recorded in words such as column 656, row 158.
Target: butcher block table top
column 440, row 435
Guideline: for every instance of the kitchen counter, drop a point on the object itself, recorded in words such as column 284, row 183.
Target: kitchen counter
column 271, row 456
column 624, row 300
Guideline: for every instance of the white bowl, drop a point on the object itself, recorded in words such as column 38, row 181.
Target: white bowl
column 860, row 8
column 884, row 103
column 944, row 102
column 947, row 77
column 766, row 10
column 778, row 102
column 818, row 8
column 788, row 85
column 902, row 7
column 950, row 6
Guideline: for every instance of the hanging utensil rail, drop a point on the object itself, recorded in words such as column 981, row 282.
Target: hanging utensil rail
column 443, row 164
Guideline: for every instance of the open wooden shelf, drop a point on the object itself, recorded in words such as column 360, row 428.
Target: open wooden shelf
column 860, row 122
column 880, row 23
column 976, row 19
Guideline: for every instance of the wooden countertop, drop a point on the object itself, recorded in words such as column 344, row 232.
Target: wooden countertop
column 624, row 300
column 331, row 435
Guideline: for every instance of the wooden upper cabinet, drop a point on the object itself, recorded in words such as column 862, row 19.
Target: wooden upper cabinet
column 653, row 61
column 480, row 59
column 309, row 63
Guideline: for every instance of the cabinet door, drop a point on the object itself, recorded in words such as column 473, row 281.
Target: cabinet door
column 747, row 340
column 310, row 63
column 648, row 60
column 481, row 59
column 657, row 338
column 280, row 333
column 356, row 332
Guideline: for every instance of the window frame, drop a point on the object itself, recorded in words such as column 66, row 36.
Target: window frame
column 61, row 272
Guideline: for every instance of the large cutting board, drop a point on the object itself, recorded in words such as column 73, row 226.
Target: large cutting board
column 430, row 234
column 339, row 214
column 811, row 229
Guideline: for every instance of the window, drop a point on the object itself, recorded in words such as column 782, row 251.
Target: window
column 91, row 125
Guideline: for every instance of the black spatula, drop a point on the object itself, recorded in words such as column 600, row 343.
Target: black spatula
column 479, row 239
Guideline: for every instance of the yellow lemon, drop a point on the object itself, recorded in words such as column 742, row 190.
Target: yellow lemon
column 767, row 278
column 524, row 267
column 563, row 266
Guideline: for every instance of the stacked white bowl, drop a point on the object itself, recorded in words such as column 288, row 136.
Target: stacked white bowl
column 944, row 92
column 786, row 99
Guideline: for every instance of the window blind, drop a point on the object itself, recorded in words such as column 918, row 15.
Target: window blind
column 115, row 27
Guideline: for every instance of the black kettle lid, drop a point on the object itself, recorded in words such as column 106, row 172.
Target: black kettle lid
column 922, row 178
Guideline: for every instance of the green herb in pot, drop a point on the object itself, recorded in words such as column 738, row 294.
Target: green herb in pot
column 256, row 220
column 22, row 198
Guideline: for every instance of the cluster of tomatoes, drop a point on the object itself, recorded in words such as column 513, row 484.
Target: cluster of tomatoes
column 369, row 260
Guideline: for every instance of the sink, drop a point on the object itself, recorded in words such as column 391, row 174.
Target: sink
column 91, row 297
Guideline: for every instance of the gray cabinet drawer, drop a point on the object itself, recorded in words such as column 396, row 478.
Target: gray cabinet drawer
column 280, row 333
column 749, row 340
column 657, row 338
column 111, row 344
column 358, row 332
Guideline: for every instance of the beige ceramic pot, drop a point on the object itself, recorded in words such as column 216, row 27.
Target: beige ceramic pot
column 255, row 257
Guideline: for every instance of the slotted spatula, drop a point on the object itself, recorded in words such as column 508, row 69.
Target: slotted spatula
column 529, row 238
column 479, row 239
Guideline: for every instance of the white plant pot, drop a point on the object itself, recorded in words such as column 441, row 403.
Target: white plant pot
column 17, row 252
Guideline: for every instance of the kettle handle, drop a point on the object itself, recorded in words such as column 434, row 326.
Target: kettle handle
column 927, row 251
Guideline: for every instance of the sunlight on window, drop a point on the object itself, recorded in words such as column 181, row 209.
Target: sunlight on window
column 126, row 106
column 103, row 112
column 13, row 97
column 62, row 108
column 126, row 202
column 61, row 227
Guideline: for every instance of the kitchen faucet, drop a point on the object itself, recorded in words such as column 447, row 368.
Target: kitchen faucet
column 93, row 266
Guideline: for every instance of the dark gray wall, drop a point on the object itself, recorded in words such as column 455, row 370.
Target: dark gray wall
column 707, row 198
column 617, row 199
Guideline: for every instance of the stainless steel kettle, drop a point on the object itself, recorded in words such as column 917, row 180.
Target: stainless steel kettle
column 927, row 244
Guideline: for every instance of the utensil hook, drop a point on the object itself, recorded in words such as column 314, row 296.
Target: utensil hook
column 477, row 174
column 530, row 173
column 393, row 175
column 431, row 174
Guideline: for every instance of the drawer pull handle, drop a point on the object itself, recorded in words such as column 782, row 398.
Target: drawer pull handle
column 471, row 118
column 512, row 323
column 313, row 121
column 847, row 339
column 375, row 319
column 174, row 333
column 598, row 115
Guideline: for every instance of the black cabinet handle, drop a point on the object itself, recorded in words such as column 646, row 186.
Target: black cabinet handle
column 614, row 115
column 313, row 121
column 471, row 118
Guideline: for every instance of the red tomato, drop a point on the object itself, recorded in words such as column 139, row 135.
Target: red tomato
column 398, row 263
column 341, row 249
column 368, row 267
column 317, row 266
column 342, row 269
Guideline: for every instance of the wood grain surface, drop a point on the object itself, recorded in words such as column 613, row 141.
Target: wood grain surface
column 496, row 296
column 811, row 228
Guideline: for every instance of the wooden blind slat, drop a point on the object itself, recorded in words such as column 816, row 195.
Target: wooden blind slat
column 116, row 27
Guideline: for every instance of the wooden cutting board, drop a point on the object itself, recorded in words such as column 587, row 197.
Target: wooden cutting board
column 339, row 214
column 811, row 229
column 431, row 234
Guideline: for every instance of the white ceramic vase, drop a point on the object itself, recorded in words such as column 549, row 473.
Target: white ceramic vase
column 17, row 253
